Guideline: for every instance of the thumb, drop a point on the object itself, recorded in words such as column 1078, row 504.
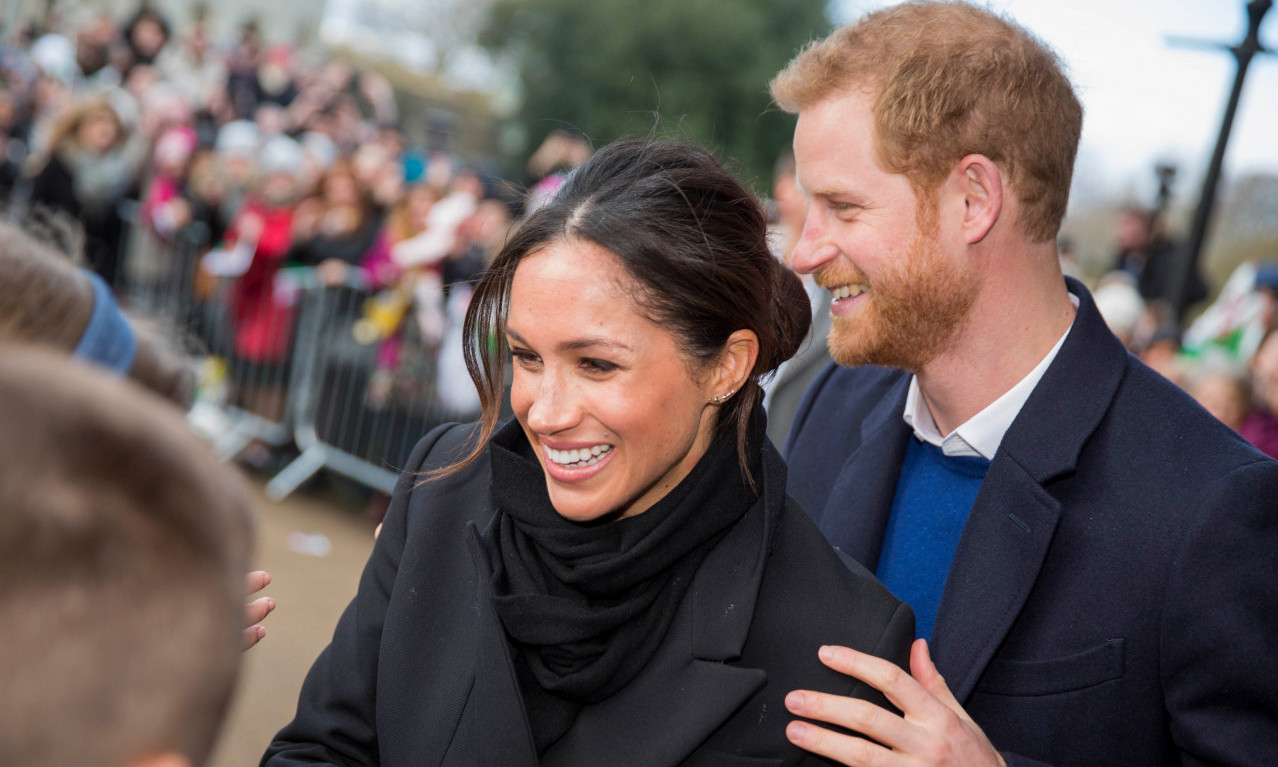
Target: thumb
column 924, row 671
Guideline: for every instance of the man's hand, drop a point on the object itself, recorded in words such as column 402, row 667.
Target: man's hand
column 934, row 728
column 258, row 609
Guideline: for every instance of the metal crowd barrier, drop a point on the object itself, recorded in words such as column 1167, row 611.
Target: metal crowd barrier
column 363, row 396
column 302, row 363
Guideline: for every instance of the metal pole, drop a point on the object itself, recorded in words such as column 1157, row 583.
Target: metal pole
column 1243, row 54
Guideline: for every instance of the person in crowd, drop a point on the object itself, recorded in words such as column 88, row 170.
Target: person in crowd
column 123, row 546
column 784, row 391
column 87, row 166
column 264, row 229
column 1084, row 547
column 621, row 549
column 192, row 63
column 1121, row 306
column 1145, row 253
column 257, row 243
column 47, row 301
column 1162, row 353
column 1260, row 427
column 335, row 229
column 549, row 165
column 1223, row 391
column 145, row 36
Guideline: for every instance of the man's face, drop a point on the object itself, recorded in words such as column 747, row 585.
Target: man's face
column 899, row 293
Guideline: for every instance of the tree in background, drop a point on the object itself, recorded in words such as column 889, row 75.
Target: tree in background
column 690, row 69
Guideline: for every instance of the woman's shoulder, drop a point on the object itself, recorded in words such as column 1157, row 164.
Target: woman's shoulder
column 806, row 567
column 463, row 494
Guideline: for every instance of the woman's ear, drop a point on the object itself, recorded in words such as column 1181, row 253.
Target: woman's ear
column 735, row 363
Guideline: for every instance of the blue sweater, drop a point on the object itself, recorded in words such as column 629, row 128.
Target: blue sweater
column 933, row 498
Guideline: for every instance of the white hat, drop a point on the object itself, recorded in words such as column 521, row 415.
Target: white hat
column 55, row 55
column 238, row 138
column 280, row 154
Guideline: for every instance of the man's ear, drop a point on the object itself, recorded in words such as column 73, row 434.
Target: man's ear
column 735, row 363
column 980, row 183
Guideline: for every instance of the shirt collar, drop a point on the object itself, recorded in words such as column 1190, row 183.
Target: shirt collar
column 981, row 434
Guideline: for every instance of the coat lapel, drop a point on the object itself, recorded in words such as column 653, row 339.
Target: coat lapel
column 689, row 688
column 866, row 484
column 1010, row 528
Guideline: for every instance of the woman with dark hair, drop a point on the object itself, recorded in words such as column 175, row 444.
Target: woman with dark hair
column 615, row 576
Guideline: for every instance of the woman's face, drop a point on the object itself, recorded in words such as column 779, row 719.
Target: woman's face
column 606, row 396
column 340, row 189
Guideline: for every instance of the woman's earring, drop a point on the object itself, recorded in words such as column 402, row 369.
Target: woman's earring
column 722, row 398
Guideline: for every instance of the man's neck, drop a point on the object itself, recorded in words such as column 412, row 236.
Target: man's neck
column 1011, row 328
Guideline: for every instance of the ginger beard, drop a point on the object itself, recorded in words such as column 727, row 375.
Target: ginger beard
column 910, row 312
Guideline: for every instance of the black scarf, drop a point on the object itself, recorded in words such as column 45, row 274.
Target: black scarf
column 587, row 604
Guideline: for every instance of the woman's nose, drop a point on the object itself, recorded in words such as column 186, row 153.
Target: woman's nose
column 554, row 407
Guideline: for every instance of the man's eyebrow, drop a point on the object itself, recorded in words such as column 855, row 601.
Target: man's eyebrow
column 576, row 343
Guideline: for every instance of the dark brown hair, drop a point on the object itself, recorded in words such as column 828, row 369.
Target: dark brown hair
column 123, row 548
column 693, row 239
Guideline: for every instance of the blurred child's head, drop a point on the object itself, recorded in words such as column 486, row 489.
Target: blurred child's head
column 123, row 548
column 1223, row 392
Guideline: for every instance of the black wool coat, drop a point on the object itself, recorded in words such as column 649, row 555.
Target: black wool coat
column 419, row 671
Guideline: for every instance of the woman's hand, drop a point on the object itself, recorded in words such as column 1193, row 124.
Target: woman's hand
column 258, row 609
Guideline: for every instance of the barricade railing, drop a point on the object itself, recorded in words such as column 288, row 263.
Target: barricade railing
column 343, row 372
column 242, row 328
column 365, row 386
column 157, row 274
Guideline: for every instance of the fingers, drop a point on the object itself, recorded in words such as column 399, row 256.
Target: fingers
column 924, row 671
column 257, row 610
column 254, row 613
column 844, row 749
column 253, row 635
column 888, row 678
column 256, row 581
column 854, row 714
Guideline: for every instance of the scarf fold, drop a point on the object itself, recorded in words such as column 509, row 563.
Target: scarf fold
column 588, row 604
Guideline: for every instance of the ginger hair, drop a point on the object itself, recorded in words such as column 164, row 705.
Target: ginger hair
column 950, row 80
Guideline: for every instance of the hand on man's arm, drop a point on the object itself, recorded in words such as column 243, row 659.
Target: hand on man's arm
column 933, row 728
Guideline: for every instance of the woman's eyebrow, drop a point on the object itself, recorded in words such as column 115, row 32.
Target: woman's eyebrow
column 576, row 343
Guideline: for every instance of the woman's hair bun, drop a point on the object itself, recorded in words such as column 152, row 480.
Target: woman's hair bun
column 791, row 315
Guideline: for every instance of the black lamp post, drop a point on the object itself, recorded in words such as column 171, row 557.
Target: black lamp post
column 1243, row 53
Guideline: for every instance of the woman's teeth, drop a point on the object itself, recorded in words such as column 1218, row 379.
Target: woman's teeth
column 578, row 458
column 846, row 291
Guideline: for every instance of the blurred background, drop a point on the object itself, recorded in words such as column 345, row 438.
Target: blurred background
column 297, row 196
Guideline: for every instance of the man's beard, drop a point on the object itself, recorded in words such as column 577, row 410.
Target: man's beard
column 910, row 312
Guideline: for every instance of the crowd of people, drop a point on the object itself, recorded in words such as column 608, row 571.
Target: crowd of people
column 258, row 159
column 1227, row 357
column 993, row 536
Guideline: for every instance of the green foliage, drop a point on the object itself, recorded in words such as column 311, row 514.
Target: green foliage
column 690, row 69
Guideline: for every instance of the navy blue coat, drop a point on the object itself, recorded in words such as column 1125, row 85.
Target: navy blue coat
column 1114, row 596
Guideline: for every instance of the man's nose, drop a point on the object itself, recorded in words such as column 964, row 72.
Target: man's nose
column 813, row 250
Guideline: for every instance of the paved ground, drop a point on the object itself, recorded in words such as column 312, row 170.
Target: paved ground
column 311, row 593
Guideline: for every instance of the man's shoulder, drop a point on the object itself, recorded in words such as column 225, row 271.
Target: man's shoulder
column 840, row 395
